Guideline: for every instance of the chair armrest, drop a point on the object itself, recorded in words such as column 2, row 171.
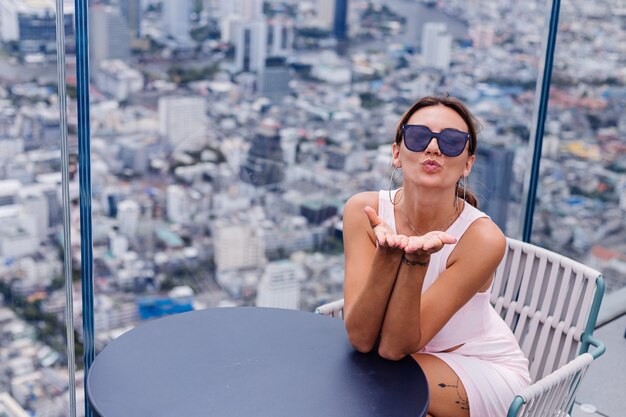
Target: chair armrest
column 333, row 309
column 600, row 347
column 553, row 394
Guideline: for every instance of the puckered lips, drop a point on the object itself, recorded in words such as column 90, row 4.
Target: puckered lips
column 431, row 166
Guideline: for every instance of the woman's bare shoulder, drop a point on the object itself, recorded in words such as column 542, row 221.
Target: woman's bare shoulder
column 483, row 233
column 361, row 200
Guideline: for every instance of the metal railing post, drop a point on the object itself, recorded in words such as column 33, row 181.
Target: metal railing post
column 542, row 94
column 84, row 163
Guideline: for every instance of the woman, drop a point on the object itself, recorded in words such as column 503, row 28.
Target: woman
column 430, row 257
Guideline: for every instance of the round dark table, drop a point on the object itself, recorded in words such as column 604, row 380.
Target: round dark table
column 247, row 361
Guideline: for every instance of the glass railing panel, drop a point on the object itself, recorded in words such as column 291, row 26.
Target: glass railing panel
column 581, row 195
column 36, row 377
column 226, row 138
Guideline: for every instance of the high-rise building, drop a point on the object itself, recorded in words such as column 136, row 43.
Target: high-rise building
column 176, row 19
column 9, row 190
column 177, row 206
column 131, row 10
column 249, row 10
column 491, row 179
column 264, row 166
column 128, row 217
column 340, row 19
column 274, row 80
column 109, row 36
column 32, row 24
column 36, row 205
column 182, row 121
column 436, row 46
column 280, row 286
column 280, row 36
column 325, row 11
column 238, row 246
column 250, row 39
column 333, row 16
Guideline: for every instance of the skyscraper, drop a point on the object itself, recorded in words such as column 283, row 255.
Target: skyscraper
column 340, row 19
column 264, row 166
column 280, row 36
column 131, row 10
column 250, row 40
column 128, row 217
column 491, row 179
column 333, row 15
column 177, row 204
column 280, row 286
column 182, row 121
column 176, row 19
column 109, row 36
column 325, row 10
column 436, row 46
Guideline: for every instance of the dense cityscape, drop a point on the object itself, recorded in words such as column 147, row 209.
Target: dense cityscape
column 227, row 135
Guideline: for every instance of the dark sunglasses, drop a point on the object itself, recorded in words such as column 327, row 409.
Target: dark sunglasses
column 451, row 141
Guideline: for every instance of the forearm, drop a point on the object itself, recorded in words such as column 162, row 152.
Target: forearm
column 365, row 314
column 401, row 329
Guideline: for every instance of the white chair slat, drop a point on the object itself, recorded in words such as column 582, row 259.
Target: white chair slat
column 554, row 347
column 499, row 278
column 564, row 285
column 509, row 318
column 528, row 280
column 522, row 323
column 546, row 305
column 538, row 283
column 512, row 281
column 577, row 296
column 537, row 369
column 566, row 354
column 590, row 292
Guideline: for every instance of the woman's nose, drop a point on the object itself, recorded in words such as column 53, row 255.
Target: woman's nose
column 433, row 147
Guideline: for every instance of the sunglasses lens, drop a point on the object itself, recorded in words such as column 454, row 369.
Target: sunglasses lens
column 416, row 137
column 452, row 142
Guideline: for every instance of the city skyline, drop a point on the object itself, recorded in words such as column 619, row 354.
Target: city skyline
column 225, row 141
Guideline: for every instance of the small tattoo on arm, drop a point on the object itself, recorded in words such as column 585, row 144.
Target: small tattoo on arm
column 462, row 402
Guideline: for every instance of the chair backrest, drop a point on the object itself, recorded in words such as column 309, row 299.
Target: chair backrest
column 549, row 301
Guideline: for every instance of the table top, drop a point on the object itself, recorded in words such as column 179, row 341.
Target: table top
column 247, row 361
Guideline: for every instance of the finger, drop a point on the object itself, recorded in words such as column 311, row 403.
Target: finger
column 433, row 242
column 380, row 237
column 372, row 216
column 446, row 239
column 414, row 243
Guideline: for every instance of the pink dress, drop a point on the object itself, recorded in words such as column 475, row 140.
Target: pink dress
column 490, row 362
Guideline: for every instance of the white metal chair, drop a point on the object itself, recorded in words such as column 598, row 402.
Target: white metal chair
column 551, row 304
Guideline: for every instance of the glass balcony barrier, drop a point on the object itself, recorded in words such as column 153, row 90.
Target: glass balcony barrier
column 210, row 148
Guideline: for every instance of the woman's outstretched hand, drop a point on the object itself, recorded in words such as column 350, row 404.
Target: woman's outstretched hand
column 420, row 246
column 385, row 237
column 429, row 243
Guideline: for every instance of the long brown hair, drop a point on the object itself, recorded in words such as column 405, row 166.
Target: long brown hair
column 472, row 124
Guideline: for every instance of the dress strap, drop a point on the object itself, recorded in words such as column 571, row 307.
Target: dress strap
column 385, row 208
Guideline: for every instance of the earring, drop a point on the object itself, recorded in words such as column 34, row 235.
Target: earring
column 465, row 179
column 456, row 196
column 393, row 172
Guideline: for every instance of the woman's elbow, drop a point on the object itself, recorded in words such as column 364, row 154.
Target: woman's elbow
column 395, row 352
column 390, row 353
column 361, row 343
